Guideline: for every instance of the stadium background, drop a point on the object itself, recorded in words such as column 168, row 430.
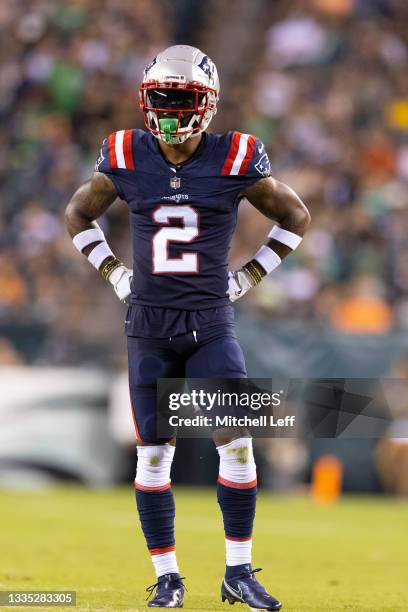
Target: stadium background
column 324, row 84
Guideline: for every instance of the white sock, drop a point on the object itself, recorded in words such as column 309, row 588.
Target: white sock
column 165, row 563
column 238, row 552
column 237, row 464
column 153, row 467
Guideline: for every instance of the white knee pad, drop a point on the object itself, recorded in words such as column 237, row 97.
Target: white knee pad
column 237, row 464
column 153, row 467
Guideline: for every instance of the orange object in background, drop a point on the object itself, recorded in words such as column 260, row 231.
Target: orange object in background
column 363, row 316
column 364, row 310
column 327, row 479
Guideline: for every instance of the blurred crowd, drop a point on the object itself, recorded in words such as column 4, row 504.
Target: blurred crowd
column 327, row 93
column 330, row 100
column 69, row 76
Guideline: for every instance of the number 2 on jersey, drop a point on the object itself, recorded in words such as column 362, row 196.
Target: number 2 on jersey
column 186, row 263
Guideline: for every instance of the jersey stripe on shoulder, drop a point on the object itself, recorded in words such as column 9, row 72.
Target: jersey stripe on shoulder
column 120, row 150
column 240, row 154
column 248, row 155
column 111, row 149
column 232, row 153
column 127, row 150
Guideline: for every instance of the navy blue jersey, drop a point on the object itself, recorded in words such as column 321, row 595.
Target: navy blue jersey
column 182, row 217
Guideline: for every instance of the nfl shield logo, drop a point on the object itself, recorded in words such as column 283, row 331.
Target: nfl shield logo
column 175, row 182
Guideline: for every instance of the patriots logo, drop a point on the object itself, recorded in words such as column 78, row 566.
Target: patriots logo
column 263, row 166
column 100, row 159
column 206, row 66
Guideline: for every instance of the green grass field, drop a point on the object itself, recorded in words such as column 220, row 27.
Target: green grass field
column 351, row 556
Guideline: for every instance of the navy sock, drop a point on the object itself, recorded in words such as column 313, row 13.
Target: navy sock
column 238, row 510
column 156, row 513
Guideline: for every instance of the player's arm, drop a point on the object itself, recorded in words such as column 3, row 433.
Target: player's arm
column 279, row 203
column 89, row 202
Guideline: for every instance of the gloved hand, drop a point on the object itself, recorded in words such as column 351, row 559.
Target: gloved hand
column 239, row 283
column 120, row 278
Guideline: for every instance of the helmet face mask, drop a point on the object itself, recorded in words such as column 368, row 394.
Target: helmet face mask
column 179, row 94
column 190, row 105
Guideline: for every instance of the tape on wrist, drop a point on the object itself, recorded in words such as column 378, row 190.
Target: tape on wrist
column 267, row 258
column 98, row 255
column 285, row 237
column 87, row 237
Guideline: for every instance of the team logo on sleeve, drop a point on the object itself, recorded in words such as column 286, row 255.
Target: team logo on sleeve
column 99, row 160
column 263, row 166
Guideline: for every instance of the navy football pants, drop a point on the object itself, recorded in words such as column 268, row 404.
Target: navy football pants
column 211, row 353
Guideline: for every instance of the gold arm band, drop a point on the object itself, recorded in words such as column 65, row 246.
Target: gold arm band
column 108, row 268
column 251, row 276
column 253, row 272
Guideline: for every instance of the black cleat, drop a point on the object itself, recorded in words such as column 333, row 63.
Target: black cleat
column 169, row 594
column 246, row 589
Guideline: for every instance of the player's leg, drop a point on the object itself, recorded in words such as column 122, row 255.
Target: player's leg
column 149, row 360
column 236, row 487
column 237, row 481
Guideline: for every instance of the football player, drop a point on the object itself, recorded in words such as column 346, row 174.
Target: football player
column 183, row 186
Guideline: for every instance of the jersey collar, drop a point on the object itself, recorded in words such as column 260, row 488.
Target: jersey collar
column 202, row 147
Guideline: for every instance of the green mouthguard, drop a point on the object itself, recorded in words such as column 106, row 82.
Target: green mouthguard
column 168, row 126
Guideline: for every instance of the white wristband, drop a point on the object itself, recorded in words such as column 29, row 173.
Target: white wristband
column 87, row 237
column 267, row 258
column 99, row 254
column 289, row 238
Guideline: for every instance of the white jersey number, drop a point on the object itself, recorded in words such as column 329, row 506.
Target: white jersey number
column 186, row 262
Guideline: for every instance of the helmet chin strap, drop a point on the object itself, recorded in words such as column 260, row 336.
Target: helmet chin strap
column 168, row 126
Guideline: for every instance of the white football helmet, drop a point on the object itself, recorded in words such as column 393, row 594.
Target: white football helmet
column 179, row 93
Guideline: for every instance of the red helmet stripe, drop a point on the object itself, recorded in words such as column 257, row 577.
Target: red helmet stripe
column 248, row 155
column 127, row 150
column 113, row 162
column 232, row 153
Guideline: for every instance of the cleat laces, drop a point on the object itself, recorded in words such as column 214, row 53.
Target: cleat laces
column 150, row 589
